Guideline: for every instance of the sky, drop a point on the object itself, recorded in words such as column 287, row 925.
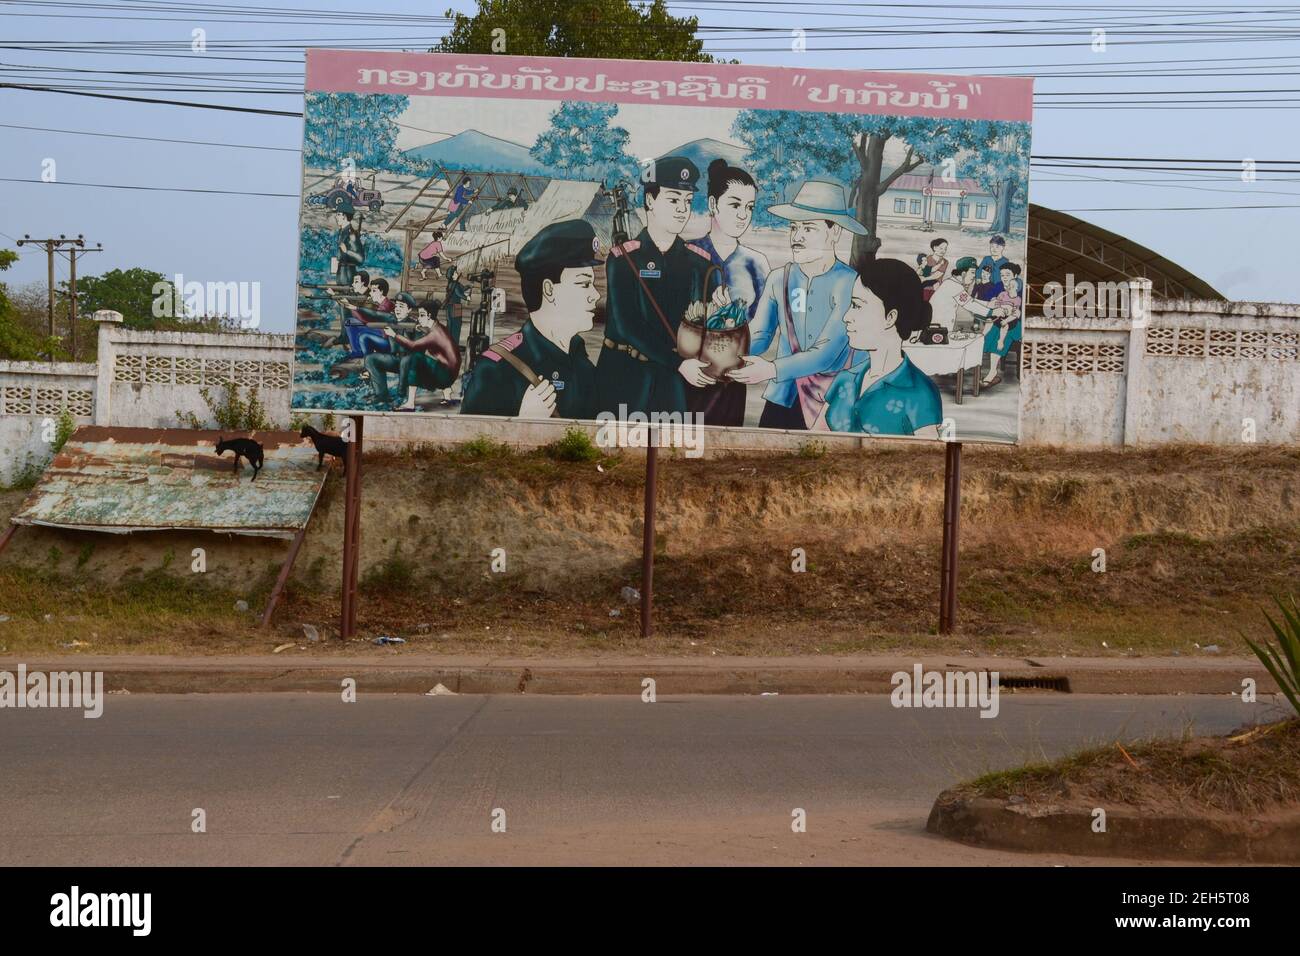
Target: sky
column 1176, row 82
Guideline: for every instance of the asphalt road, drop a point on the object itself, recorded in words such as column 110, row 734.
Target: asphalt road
column 307, row 779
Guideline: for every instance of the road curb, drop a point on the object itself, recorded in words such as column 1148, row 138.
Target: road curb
column 997, row 824
column 418, row 674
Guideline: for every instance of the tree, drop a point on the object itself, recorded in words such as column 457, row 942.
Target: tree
column 614, row 29
column 583, row 142
column 1003, row 169
column 18, row 342
column 131, row 292
column 790, row 145
column 360, row 127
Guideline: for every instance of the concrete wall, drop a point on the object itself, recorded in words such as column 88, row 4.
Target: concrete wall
column 151, row 376
column 1205, row 372
column 32, row 395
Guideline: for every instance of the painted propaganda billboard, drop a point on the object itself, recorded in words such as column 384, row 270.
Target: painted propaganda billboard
column 756, row 247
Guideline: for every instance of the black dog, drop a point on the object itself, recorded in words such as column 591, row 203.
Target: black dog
column 326, row 445
column 243, row 448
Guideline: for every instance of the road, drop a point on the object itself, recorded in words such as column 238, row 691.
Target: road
column 400, row 779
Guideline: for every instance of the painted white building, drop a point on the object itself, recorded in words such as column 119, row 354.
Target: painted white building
column 918, row 199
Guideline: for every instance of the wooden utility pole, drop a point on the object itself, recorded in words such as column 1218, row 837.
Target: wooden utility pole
column 51, row 246
column 72, row 290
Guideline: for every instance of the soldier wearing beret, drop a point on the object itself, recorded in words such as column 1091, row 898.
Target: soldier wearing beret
column 651, row 280
column 542, row 371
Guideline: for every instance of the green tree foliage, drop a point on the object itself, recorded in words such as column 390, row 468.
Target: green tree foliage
column 17, row 342
column 131, row 292
column 613, row 29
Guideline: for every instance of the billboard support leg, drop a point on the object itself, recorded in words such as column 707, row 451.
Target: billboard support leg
column 951, row 526
column 648, row 540
column 351, row 531
column 9, row 532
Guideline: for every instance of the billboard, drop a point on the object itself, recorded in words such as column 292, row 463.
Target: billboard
column 740, row 246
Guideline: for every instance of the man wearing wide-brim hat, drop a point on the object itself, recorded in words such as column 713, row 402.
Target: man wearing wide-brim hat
column 802, row 307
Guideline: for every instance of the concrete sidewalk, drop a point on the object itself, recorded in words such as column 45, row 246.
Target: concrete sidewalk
column 399, row 671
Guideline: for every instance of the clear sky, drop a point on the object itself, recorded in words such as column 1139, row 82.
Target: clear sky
column 1175, row 81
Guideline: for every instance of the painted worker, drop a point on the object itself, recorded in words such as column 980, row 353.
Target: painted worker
column 351, row 248
column 651, row 280
column 542, row 371
column 954, row 302
column 430, row 361
column 512, row 200
column 802, row 309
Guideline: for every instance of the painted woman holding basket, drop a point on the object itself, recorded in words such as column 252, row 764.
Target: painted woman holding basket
column 732, row 194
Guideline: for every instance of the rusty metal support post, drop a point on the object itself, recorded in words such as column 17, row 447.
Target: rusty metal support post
column 951, row 526
column 283, row 579
column 648, row 540
column 351, row 531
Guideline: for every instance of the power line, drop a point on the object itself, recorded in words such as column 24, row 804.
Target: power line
column 161, row 189
column 153, row 139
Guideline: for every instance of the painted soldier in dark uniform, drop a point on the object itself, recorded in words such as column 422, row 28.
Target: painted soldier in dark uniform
column 457, row 294
column 542, row 371
column 351, row 250
column 651, row 280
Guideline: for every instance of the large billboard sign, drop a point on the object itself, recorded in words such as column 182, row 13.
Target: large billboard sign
column 740, row 246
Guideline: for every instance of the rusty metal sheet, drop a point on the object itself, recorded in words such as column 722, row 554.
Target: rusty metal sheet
column 120, row 480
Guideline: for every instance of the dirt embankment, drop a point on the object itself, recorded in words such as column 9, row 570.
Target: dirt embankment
column 1193, row 538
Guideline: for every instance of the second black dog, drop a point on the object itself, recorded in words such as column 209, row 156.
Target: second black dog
column 326, row 445
column 243, row 448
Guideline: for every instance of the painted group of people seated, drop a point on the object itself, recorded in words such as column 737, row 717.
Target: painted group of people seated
column 374, row 317
column 988, row 297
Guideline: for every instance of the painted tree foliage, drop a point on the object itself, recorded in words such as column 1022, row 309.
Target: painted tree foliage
column 1002, row 169
column 790, row 146
column 613, row 29
column 360, row 127
column 584, row 143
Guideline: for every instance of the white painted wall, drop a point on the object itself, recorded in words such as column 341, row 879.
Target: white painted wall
column 1194, row 373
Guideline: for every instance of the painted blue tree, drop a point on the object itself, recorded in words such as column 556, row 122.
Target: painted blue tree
column 791, row 145
column 583, row 143
column 362, row 128
column 1003, row 169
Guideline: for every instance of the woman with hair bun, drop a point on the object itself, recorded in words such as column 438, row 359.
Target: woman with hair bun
column 885, row 394
column 732, row 194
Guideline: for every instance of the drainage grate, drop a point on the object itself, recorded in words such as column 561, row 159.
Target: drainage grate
column 1061, row 684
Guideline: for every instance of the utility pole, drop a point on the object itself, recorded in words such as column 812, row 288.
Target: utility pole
column 72, row 254
column 51, row 246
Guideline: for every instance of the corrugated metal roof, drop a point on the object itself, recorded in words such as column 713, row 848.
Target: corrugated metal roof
column 1061, row 244
column 120, row 480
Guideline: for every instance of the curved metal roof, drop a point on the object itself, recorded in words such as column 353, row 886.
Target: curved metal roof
column 1060, row 243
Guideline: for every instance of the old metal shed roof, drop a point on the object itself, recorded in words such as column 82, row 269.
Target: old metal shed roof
column 121, row 480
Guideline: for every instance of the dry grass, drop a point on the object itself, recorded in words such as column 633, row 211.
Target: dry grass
column 1195, row 540
column 1252, row 772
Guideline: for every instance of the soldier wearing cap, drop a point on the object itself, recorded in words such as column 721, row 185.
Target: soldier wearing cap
column 651, row 280
column 542, row 371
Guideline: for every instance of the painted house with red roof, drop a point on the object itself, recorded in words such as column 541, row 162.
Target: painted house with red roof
column 926, row 199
